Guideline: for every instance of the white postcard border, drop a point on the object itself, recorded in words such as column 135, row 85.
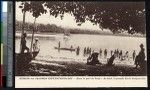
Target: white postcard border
column 79, row 81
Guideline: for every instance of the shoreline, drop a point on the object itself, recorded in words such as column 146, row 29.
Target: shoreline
column 18, row 34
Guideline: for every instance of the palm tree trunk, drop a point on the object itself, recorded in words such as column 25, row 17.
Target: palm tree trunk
column 24, row 13
column 32, row 36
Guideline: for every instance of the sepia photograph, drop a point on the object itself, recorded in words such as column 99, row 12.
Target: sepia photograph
column 72, row 38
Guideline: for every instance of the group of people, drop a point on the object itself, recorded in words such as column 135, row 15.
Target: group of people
column 87, row 51
column 93, row 56
column 36, row 46
column 119, row 53
column 138, row 59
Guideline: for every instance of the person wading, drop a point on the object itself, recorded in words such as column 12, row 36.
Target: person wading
column 133, row 55
column 120, row 55
column 84, row 52
column 59, row 46
column 100, row 52
column 78, row 50
column 105, row 53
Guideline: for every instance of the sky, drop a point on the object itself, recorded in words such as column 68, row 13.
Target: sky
column 68, row 20
column 4, row 4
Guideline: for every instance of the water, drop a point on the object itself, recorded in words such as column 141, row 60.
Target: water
column 48, row 42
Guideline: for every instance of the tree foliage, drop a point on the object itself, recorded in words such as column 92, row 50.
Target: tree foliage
column 34, row 7
column 116, row 16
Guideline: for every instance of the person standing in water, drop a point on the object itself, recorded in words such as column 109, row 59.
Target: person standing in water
column 100, row 52
column 59, row 44
column 36, row 48
column 117, row 52
column 78, row 50
column 84, row 52
column 105, row 53
column 23, row 43
column 87, row 52
column 127, row 55
column 120, row 55
column 133, row 55
column 90, row 51
column 71, row 48
column 111, row 52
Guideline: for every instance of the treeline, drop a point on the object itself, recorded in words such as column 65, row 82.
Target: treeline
column 39, row 27
column 52, row 28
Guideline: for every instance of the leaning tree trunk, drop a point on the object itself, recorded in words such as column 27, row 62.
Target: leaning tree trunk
column 32, row 36
column 24, row 13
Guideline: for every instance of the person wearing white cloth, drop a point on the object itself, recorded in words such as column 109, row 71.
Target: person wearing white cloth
column 36, row 48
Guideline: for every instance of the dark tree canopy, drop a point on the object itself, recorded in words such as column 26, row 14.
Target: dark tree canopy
column 34, row 7
column 116, row 16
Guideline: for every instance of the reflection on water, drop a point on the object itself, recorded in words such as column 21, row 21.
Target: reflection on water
column 96, row 42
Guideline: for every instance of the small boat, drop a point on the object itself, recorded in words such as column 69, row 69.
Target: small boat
column 69, row 49
column 23, row 59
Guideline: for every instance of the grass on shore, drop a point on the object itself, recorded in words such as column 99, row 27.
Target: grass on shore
column 72, row 68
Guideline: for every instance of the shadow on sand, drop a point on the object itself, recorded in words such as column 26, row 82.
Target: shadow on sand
column 73, row 68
